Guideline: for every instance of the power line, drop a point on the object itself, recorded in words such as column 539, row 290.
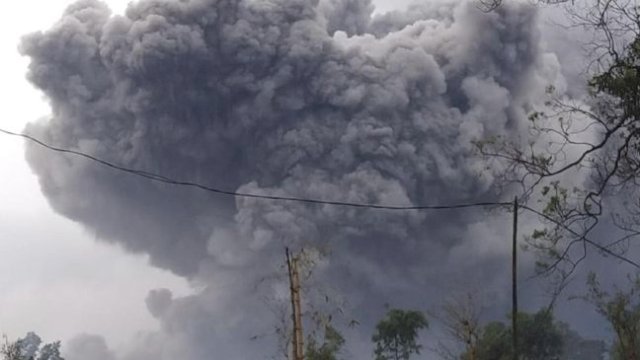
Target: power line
column 582, row 237
column 171, row 181
column 167, row 180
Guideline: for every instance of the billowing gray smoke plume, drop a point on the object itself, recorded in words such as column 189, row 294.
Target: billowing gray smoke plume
column 306, row 98
column 87, row 347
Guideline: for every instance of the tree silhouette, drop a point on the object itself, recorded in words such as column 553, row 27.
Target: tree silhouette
column 396, row 334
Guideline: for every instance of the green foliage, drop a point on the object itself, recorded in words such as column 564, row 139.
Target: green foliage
column 50, row 352
column 622, row 310
column 622, row 80
column 556, row 198
column 494, row 343
column 10, row 350
column 28, row 348
column 539, row 338
column 329, row 350
column 577, row 348
column 595, row 141
column 396, row 334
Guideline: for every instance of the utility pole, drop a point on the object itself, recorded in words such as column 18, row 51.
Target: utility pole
column 514, row 281
column 296, row 316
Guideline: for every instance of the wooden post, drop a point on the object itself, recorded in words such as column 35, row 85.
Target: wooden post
column 298, row 310
column 297, row 340
column 514, row 281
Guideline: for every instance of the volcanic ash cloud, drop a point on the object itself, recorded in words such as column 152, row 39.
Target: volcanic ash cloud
column 282, row 97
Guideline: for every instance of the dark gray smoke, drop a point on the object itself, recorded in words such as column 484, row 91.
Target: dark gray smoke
column 303, row 98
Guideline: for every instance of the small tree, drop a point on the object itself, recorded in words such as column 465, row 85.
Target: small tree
column 576, row 347
column 10, row 350
column 594, row 138
column 396, row 334
column 539, row 338
column 622, row 311
column 50, row 352
column 494, row 343
column 330, row 348
column 460, row 317
column 28, row 348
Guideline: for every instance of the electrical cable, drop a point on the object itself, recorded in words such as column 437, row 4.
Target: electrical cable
column 167, row 180
column 582, row 237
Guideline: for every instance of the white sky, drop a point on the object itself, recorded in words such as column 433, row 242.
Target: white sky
column 54, row 278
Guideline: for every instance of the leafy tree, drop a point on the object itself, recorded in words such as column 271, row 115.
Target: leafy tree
column 494, row 343
column 595, row 139
column 330, row 348
column 578, row 348
column 10, row 350
column 50, row 352
column 622, row 310
column 396, row 334
column 28, row 348
column 539, row 338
